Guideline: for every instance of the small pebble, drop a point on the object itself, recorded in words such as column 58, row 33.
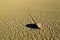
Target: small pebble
column 39, row 25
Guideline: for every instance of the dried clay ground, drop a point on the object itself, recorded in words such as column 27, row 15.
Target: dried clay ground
column 15, row 15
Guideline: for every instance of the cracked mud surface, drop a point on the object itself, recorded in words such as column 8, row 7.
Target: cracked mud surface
column 13, row 21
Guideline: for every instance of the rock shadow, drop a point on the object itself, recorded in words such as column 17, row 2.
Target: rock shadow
column 33, row 26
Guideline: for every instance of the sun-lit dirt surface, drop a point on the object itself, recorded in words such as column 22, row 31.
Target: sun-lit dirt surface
column 14, row 18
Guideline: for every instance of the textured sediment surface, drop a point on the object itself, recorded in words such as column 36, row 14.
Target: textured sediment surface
column 14, row 16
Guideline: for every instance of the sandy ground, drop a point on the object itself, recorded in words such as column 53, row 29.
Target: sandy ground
column 14, row 18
